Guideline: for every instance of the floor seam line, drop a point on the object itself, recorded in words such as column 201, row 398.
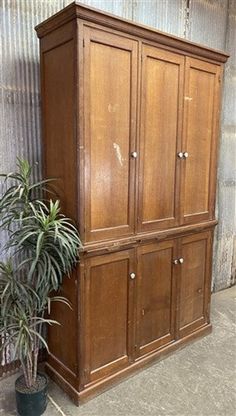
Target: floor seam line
column 56, row 405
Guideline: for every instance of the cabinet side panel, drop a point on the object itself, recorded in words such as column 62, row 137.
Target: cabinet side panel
column 63, row 338
column 58, row 92
column 58, row 98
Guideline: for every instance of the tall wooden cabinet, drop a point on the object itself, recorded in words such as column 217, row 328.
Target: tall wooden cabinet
column 130, row 120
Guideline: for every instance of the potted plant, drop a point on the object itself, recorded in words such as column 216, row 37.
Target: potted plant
column 42, row 248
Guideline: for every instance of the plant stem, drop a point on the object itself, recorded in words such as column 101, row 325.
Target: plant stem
column 29, row 368
column 36, row 352
column 25, row 373
column 35, row 363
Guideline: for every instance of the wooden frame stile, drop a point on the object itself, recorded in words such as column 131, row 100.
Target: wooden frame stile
column 80, row 125
column 80, row 179
column 79, row 267
column 209, row 274
column 216, row 137
column 138, row 133
column 81, row 327
column 178, row 277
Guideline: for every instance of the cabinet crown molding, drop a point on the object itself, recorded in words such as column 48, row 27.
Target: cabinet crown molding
column 90, row 14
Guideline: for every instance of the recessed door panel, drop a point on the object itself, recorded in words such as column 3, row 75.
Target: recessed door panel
column 110, row 79
column 156, row 296
column 160, row 137
column 201, row 101
column 108, row 313
column 194, row 284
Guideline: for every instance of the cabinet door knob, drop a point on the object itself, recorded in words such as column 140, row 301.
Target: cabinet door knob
column 132, row 276
column 186, row 155
column 180, row 155
column 134, row 155
column 176, row 261
column 181, row 260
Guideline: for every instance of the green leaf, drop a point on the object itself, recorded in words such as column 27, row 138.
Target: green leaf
column 44, row 247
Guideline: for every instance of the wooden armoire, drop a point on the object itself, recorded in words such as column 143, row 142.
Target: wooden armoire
column 130, row 119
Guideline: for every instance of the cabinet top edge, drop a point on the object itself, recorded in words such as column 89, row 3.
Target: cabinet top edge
column 91, row 14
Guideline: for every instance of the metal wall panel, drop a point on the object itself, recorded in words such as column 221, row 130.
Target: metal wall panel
column 119, row 7
column 224, row 272
column 167, row 15
column 213, row 22
column 19, row 79
column 20, row 134
column 210, row 22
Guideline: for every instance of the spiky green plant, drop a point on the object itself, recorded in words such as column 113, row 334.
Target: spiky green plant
column 47, row 244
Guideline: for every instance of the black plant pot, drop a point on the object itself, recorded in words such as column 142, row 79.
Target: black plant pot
column 31, row 402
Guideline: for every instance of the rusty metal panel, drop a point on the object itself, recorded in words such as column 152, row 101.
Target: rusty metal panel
column 208, row 22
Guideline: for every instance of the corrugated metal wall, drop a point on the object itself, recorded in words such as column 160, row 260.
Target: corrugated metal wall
column 225, row 236
column 211, row 22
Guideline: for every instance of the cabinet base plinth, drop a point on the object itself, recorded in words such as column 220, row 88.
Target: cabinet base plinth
column 80, row 397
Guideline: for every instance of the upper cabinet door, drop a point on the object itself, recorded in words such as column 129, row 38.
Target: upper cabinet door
column 201, row 114
column 160, row 138
column 110, row 91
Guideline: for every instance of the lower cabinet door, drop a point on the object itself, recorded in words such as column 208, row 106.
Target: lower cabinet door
column 156, row 297
column 194, row 282
column 109, row 293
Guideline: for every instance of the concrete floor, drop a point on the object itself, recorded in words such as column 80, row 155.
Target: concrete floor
column 199, row 380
